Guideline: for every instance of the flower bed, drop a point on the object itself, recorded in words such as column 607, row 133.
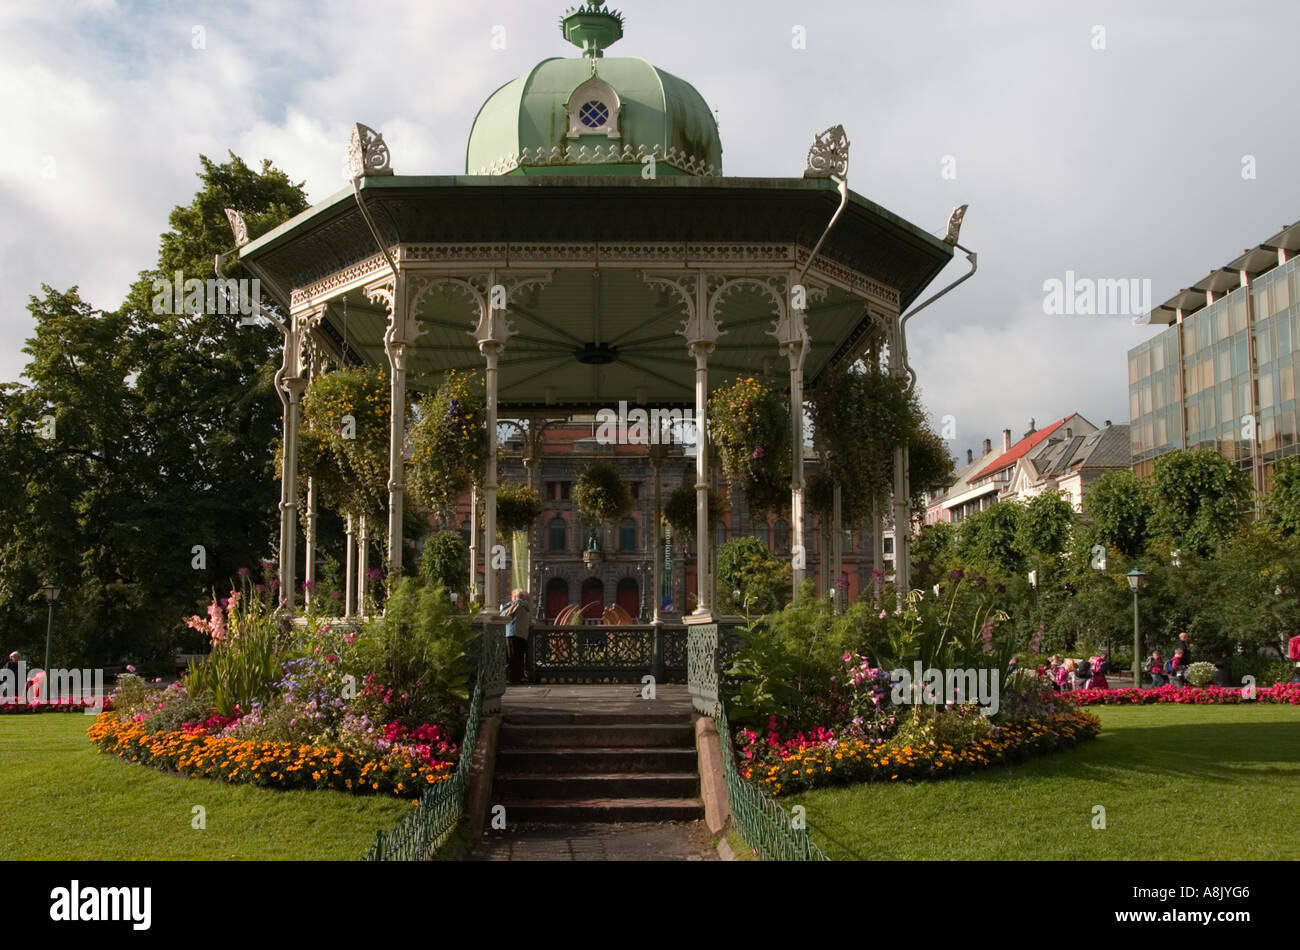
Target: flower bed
column 855, row 760
column 1199, row 695
column 193, row 751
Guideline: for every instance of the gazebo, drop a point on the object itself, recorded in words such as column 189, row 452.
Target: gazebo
column 592, row 252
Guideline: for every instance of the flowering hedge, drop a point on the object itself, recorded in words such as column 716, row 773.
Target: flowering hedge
column 839, row 763
column 1201, row 696
column 273, row 764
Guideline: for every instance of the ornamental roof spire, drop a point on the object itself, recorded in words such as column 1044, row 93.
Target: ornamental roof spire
column 592, row 28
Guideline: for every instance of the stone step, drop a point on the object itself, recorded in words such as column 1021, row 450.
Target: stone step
column 603, row 809
column 558, row 717
column 540, row 786
column 515, row 736
column 571, row 760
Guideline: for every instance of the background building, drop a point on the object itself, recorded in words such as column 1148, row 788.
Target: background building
column 1224, row 373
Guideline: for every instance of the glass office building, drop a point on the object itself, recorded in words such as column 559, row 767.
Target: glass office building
column 1224, row 374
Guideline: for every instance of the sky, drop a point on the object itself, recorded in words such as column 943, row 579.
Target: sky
column 1148, row 141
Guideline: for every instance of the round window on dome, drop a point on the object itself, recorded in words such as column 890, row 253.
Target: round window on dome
column 593, row 114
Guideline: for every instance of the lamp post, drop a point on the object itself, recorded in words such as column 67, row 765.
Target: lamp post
column 51, row 595
column 1135, row 579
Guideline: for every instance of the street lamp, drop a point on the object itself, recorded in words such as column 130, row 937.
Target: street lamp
column 51, row 595
column 1135, row 579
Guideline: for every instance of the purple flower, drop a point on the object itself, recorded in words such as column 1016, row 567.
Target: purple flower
column 374, row 574
column 956, row 575
column 243, row 572
column 877, row 576
column 308, row 585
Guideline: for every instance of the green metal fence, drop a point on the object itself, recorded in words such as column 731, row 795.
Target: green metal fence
column 768, row 828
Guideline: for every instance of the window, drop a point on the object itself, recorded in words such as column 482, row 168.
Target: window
column 558, row 491
column 593, row 114
column 761, row 532
column 466, row 531
column 593, row 109
column 557, row 534
column 627, row 535
column 783, row 537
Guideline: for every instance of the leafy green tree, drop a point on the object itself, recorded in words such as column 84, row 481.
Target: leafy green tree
column 988, row 538
column 1199, row 498
column 1282, row 500
column 1117, row 511
column 1045, row 525
column 164, row 425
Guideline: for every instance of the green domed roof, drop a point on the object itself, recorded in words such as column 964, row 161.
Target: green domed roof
column 594, row 115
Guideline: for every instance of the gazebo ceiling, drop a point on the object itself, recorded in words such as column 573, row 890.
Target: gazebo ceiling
column 592, row 337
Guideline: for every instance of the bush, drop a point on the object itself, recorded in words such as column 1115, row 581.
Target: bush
column 1201, row 674
column 416, row 653
column 445, row 561
column 247, row 649
column 763, row 579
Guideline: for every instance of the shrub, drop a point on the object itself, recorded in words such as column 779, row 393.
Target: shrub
column 445, row 561
column 763, row 579
column 1201, row 673
column 244, row 664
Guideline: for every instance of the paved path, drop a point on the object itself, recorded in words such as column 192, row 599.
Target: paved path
column 598, row 841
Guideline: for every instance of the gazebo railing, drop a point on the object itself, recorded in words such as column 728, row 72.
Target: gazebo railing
column 764, row 824
column 606, row 654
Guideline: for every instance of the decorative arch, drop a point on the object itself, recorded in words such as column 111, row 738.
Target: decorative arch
column 593, row 109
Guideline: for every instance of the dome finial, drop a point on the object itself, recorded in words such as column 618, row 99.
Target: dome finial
column 592, row 28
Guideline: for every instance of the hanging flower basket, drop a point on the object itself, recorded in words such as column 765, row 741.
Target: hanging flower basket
column 448, row 443
column 601, row 494
column 518, row 507
column 750, row 426
column 679, row 510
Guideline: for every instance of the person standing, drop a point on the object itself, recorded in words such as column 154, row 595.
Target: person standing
column 13, row 681
column 517, row 620
column 1186, row 647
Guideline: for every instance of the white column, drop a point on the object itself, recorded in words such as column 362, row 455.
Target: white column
column 837, row 542
column 701, row 350
column 656, row 543
column 792, row 335
column 289, row 523
column 473, row 542
column 309, row 567
column 363, row 565
column 396, row 456
column 492, row 332
column 902, row 543
column 350, row 570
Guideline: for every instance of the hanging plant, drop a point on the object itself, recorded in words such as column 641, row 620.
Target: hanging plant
column 819, row 493
column 448, row 443
column 518, row 507
column 344, row 436
column 679, row 510
column 749, row 425
column 601, row 495
column 859, row 419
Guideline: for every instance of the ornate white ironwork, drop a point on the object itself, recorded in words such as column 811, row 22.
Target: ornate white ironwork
column 612, row 154
column 954, row 224
column 367, row 153
column 829, row 154
column 237, row 225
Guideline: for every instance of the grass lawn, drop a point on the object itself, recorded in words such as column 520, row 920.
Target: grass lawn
column 65, row 800
column 1227, row 776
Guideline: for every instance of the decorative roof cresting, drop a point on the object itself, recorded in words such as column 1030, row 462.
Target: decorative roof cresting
column 829, row 154
column 367, row 153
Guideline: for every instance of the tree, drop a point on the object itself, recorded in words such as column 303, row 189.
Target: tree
column 157, row 481
column 988, row 538
column 1282, row 500
column 1045, row 526
column 1198, row 498
column 1117, row 511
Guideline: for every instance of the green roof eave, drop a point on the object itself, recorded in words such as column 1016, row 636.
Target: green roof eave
column 927, row 253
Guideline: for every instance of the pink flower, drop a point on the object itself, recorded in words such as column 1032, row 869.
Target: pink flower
column 130, row 668
column 882, row 615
